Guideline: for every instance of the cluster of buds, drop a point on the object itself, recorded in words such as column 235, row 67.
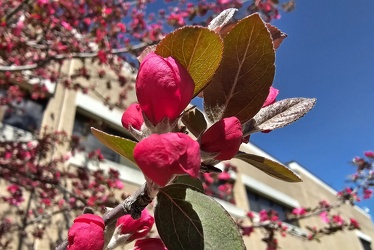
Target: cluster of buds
column 89, row 226
column 164, row 88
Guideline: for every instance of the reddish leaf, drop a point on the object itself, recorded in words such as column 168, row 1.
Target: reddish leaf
column 241, row 83
column 276, row 34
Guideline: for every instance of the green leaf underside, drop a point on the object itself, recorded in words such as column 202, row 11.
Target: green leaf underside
column 118, row 144
column 270, row 167
column 190, row 181
column 282, row 113
column 198, row 49
column 241, row 83
column 188, row 219
column 194, row 121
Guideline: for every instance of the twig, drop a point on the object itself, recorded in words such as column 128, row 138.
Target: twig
column 15, row 10
column 42, row 63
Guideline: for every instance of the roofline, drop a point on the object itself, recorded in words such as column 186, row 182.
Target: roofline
column 297, row 167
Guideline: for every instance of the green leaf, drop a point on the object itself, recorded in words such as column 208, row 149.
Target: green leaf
column 195, row 121
column 242, row 81
column 118, row 144
column 198, row 49
column 190, row 181
column 188, row 219
column 270, row 167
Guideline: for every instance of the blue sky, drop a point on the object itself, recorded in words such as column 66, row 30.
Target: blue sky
column 329, row 55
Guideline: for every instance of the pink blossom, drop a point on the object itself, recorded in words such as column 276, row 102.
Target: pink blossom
column 274, row 216
column 368, row 193
column 324, row 217
column 133, row 117
column 324, row 204
column 162, row 156
column 224, row 176
column 208, row 178
column 354, row 223
column 66, row 25
column 122, row 27
column 369, row 154
column 223, row 1
column 273, row 93
column 119, row 184
column 13, row 188
column 96, row 154
column 150, row 243
column 138, row 228
column 177, row 19
column 102, row 55
column 250, row 215
column 92, row 201
column 246, row 231
column 299, row 211
column 224, row 137
column 87, row 233
column 163, row 87
column 107, row 11
column 338, row 220
column 225, row 189
column 263, row 215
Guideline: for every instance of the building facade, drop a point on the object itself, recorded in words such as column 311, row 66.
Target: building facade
column 253, row 190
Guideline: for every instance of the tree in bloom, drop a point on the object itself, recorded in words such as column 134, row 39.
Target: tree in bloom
column 36, row 177
column 39, row 38
column 172, row 142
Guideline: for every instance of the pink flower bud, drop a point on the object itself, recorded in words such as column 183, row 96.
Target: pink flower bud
column 163, row 87
column 324, row 217
column 273, row 92
column 299, row 211
column 250, row 215
column 138, row 228
column 369, row 154
column 133, row 117
column 223, row 137
column 150, row 243
column 354, row 223
column 162, row 156
column 224, row 176
column 87, row 233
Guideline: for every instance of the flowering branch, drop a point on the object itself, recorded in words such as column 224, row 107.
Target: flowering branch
column 15, row 10
column 132, row 205
column 42, row 63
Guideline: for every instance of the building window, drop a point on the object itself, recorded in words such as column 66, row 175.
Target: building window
column 89, row 143
column 366, row 245
column 258, row 202
column 25, row 114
